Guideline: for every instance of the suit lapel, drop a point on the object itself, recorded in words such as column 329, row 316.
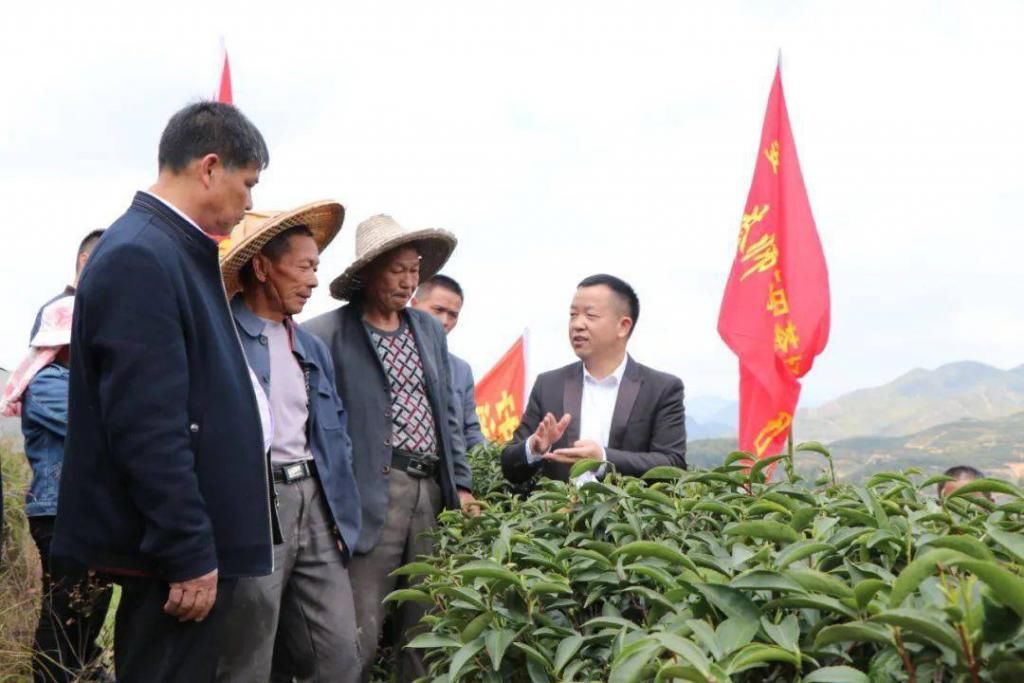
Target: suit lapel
column 628, row 391
column 572, row 402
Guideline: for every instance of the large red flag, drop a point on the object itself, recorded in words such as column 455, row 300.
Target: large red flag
column 224, row 92
column 775, row 312
column 501, row 394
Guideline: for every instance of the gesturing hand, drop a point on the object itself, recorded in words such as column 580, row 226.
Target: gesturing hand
column 584, row 449
column 548, row 432
column 192, row 600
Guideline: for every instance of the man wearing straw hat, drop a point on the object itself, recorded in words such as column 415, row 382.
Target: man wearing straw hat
column 393, row 375
column 165, row 478
column 269, row 264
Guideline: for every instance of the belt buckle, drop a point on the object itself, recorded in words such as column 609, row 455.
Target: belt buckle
column 415, row 468
column 294, row 472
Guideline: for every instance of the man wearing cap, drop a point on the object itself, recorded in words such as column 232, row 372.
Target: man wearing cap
column 165, row 478
column 73, row 604
column 270, row 261
column 393, row 374
column 441, row 296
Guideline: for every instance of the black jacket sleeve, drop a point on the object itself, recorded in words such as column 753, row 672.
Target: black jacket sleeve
column 513, row 457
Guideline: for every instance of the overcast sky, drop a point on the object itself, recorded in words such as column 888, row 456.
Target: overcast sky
column 560, row 139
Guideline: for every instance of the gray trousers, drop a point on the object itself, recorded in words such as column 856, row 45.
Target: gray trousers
column 300, row 620
column 413, row 509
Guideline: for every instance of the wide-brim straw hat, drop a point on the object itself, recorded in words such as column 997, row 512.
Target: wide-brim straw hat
column 322, row 218
column 380, row 234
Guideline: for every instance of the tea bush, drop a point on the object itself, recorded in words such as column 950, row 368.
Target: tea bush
column 718, row 575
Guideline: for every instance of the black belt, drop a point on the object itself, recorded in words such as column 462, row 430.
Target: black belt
column 293, row 472
column 418, row 466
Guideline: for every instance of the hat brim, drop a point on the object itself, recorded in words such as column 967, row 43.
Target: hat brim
column 435, row 247
column 323, row 219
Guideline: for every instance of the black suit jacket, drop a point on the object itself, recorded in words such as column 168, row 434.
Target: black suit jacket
column 648, row 425
column 363, row 386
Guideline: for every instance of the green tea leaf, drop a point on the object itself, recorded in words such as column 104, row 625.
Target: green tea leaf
column 836, row 674
column 766, row 529
column 853, row 632
column 917, row 571
column 408, row 595
column 819, row 582
column 432, row 640
column 729, row 601
column 417, row 569
column 1012, row 543
column 687, row 650
column 497, row 642
column 659, row 550
column 1007, row 588
column 566, row 650
column 986, row 485
column 928, row 625
column 462, row 657
column 581, row 466
column 758, row 653
column 799, row 551
column 486, row 569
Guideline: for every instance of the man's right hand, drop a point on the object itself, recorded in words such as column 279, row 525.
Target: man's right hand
column 192, row 600
column 548, row 432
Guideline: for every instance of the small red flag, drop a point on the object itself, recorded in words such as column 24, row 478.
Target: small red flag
column 775, row 312
column 224, row 93
column 501, row 394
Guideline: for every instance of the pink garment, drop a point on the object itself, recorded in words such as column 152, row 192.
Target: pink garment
column 54, row 333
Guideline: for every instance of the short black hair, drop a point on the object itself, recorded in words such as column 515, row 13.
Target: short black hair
column 89, row 241
column 442, row 281
column 621, row 288
column 961, row 473
column 273, row 250
column 211, row 128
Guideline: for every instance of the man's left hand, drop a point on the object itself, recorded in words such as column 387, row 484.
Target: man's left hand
column 469, row 504
column 584, row 449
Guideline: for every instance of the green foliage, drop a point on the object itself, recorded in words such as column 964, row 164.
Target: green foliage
column 713, row 575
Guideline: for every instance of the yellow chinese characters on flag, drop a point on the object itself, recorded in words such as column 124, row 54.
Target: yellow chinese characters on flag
column 501, row 394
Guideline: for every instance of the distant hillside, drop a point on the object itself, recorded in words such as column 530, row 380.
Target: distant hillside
column 994, row 446
column 916, row 401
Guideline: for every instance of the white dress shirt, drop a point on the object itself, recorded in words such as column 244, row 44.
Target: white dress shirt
column 262, row 401
column 597, row 408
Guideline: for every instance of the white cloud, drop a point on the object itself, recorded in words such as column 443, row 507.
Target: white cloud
column 562, row 139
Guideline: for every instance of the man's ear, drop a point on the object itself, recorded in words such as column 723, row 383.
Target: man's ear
column 206, row 166
column 625, row 325
column 260, row 267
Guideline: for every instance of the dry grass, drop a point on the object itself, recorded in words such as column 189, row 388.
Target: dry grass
column 19, row 571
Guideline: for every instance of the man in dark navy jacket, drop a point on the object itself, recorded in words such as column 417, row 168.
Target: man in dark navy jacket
column 165, row 479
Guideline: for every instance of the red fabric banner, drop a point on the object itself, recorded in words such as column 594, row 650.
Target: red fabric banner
column 501, row 394
column 224, row 93
column 775, row 312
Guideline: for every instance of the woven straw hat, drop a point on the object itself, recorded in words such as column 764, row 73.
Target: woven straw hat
column 323, row 218
column 380, row 234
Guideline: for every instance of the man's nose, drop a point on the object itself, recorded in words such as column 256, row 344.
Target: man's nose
column 313, row 281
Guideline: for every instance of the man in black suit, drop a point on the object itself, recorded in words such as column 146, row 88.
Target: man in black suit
column 612, row 408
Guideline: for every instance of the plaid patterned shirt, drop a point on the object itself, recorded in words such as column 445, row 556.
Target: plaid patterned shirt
column 412, row 418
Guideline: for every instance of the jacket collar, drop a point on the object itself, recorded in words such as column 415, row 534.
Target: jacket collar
column 253, row 325
column 185, row 232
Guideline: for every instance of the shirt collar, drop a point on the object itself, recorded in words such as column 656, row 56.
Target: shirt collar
column 178, row 211
column 612, row 380
column 253, row 325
